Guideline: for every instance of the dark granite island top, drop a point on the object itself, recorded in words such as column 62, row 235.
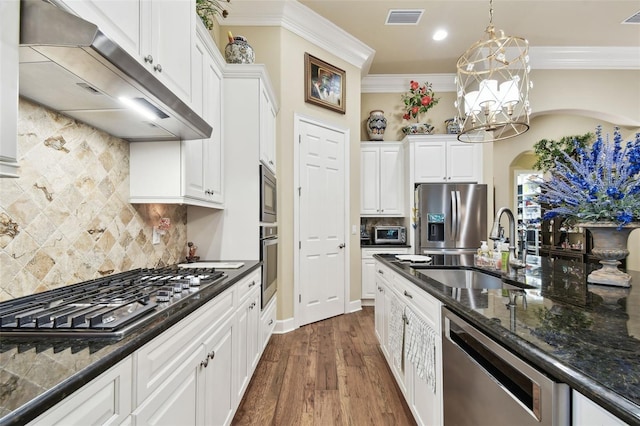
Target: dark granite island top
column 585, row 335
column 37, row 373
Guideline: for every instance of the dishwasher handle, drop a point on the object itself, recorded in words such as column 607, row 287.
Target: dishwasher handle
column 522, row 382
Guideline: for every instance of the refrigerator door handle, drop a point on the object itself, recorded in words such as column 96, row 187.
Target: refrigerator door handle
column 458, row 212
column 454, row 216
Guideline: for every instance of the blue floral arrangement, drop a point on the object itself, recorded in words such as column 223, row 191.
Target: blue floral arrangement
column 601, row 185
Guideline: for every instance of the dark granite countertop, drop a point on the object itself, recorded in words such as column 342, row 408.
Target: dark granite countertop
column 37, row 373
column 383, row 246
column 585, row 335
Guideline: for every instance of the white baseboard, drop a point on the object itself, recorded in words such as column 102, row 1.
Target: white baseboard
column 354, row 306
column 368, row 302
column 284, row 326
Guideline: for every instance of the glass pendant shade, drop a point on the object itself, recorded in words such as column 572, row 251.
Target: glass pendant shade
column 493, row 88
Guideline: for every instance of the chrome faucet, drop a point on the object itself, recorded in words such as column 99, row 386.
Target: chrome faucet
column 513, row 264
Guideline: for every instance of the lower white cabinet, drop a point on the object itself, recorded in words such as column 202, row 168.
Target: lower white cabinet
column 267, row 322
column 394, row 296
column 247, row 351
column 9, row 37
column 106, row 400
column 195, row 373
column 369, row 269
column 585, row 412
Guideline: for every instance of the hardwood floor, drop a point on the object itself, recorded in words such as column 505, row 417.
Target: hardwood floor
column 328, row 373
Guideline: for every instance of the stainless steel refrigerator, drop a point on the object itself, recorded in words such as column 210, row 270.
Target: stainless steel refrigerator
column 452, row 217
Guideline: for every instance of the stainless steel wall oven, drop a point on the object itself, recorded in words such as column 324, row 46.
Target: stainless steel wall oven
column 269, row 258
column 268, row 195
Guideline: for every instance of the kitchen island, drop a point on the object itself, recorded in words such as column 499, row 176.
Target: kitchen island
column 39, row 372
column 580, row 334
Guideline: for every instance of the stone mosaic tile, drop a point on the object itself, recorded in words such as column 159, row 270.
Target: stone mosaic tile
column 67, row 217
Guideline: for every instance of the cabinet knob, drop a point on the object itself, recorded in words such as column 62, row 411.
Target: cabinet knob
column 204, row 363
column 271, row 162
column 270, row 322
column 341, row 246
column 380, row 271
column 148, row 59
column 252, row 283
column 381, row 210
column 157, row 68
column 212, row 354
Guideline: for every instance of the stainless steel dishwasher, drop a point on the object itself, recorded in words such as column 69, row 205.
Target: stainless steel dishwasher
column 485, row 384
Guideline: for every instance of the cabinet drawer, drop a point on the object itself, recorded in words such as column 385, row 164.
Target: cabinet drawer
column 245, row 286
column 158, row 359
column 367, row 253
column 416, row 298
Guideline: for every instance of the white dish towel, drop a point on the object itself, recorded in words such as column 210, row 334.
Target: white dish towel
column 396, row 332
column 421, row 347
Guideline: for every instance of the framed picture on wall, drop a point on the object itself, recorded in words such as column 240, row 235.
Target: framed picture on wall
column 324, row 84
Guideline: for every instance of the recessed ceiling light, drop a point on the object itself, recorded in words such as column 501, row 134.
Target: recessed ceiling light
column 440, row 35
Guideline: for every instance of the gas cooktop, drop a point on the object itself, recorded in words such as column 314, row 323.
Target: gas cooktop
column 106, row 307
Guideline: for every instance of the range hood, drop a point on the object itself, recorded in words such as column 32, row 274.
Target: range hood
column 67, row 64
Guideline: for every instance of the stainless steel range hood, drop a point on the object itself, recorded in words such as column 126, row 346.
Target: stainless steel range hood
column 70, row 66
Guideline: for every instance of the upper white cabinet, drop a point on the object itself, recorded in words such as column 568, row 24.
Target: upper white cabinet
column 187, row 172
column 9, row 29
column 442, row 158
column 250, row 112
column 381, row 179
column 267, row 130
column 159, row 33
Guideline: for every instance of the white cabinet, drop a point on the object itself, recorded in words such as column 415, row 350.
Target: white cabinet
column 369, row 268
column 9, row 29
column 219, row 402
column 392, row 289
column 186, row 172
column 585, row 412
column 268, row 322
column 267, row 131
column 442, row 158
column 159, row 33
column 381, row 179
column 106, row 400
column 248, row 348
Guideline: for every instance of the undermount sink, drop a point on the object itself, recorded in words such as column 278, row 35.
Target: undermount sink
column 463, row 278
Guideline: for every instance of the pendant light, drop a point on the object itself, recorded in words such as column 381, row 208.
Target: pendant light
column 492, row 83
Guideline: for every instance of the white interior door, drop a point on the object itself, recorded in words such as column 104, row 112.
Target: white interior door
column 322, row 252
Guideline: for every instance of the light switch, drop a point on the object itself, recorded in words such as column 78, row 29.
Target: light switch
column 354, row 229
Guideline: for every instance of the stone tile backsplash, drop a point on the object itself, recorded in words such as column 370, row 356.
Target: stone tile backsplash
column 67, row 217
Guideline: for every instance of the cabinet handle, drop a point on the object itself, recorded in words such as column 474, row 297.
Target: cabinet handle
column 157, row 68
column 148, row 59
column 252, row 283
column 270, row 322
column 253, row 305
column 408, row 294
column 270, row 162
column 212, row 354
column 204, row 363
column 380, row 271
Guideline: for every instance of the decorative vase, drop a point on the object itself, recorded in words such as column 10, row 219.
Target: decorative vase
column 610, row 246
column 453, row 127
column 376, row 125
column 418, row 129
column 239, row 51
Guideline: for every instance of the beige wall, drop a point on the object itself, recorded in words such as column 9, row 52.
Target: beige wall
column 283, row 54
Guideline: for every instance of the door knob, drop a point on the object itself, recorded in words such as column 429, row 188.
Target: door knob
column 341, row 246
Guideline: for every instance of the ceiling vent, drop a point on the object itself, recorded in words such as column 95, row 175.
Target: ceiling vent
column 633, row 19
column 404, row 16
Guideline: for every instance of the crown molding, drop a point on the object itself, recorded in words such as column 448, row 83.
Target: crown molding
column 585, row 57
column 305, row 23
column 313, row 28
column 398, row 83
